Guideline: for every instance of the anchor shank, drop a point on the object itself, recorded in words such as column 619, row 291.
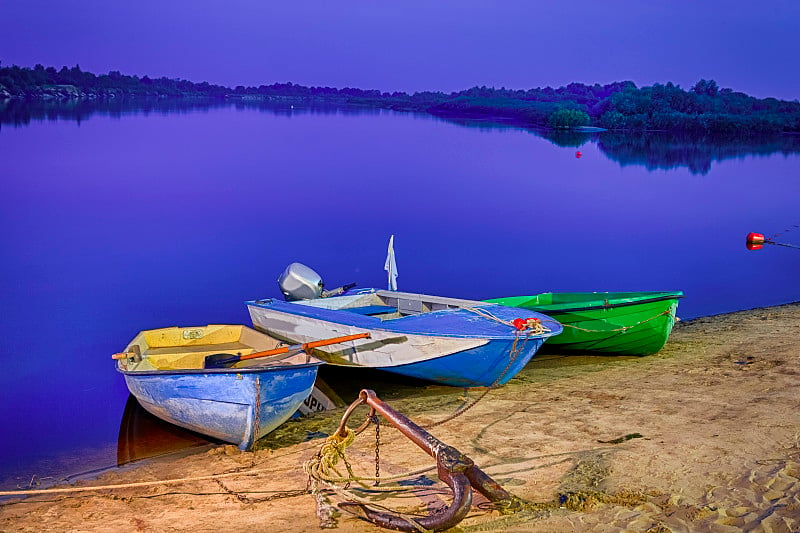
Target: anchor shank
column 419, row 436
column 454, row 468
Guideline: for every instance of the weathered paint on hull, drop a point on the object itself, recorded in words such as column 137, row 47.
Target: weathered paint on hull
column 459, row 362
column 233, row 405
column 648, row 319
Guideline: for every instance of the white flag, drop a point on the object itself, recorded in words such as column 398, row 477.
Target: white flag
column 391, row 267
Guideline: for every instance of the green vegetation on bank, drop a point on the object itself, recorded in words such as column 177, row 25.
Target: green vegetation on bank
column 703, row 109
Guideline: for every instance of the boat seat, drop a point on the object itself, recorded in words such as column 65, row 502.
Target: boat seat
column 223, row 347
column 193, row 356
column 371, row 309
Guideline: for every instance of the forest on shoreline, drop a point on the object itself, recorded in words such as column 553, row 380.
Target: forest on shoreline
column 703, row 109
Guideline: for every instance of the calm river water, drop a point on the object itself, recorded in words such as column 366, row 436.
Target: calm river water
column 113, row 221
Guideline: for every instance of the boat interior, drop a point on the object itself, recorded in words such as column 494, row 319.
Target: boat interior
column 389, row 305
column 186, row 348
column 560, row 300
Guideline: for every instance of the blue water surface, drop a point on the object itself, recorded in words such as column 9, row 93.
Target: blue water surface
column 122, row 222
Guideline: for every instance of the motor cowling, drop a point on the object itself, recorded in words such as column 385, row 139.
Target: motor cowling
column 299, row 282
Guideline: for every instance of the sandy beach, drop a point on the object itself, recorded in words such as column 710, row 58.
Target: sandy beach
column 703, row 436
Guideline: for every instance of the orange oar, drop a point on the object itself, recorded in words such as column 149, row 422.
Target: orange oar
column 225, row 360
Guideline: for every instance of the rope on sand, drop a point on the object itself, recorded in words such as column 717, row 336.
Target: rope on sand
column 154, row 483
column 131, row 485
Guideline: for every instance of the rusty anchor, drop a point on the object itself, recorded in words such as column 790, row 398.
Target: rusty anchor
column 453, row 467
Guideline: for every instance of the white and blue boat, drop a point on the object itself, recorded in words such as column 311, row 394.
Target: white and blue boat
column 462, row 343
column 164, row 370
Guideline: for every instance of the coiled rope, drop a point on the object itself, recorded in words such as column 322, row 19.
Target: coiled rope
column 322, row 472
column 322, row 467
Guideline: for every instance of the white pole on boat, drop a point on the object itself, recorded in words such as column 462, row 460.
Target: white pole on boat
column 391, row 266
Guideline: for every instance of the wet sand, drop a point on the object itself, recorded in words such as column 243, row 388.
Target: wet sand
column 704, row 436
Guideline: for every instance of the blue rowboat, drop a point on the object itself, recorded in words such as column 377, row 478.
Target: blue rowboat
column 462, row 343
column 163, row 369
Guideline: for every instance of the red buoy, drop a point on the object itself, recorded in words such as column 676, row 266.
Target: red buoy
column 578, row 154
column 755, row 241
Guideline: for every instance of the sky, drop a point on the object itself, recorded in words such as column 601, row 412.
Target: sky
column 416, row 45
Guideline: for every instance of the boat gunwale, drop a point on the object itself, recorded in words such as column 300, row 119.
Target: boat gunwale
column 199, row 371
column 546, row 308
column 372, row 324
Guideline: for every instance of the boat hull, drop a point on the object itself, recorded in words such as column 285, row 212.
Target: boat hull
column 233, row 405
column 633, row 323
column 459, row 361
column 485, row 366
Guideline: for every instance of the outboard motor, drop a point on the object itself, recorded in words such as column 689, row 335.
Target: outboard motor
column 299, row 282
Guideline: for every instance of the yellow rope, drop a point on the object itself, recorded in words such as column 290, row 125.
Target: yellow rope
column 321, row 470
column 322, row 467
column 324, row 462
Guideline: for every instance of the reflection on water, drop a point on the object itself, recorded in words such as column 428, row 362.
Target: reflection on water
column 117, row 226
column 653, row 150
column 14, row 112
column 142, row 435
column 569, row 139
column 664, row 151
column 667, row 151
column 656, row 150
column 21, row 113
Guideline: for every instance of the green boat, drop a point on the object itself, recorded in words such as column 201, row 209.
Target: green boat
column 624, row 323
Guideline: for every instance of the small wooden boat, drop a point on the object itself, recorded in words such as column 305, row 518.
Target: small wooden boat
column 166, row 370
column 625, row 323
column 463, row 343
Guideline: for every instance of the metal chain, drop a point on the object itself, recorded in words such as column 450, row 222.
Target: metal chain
column 377, row 421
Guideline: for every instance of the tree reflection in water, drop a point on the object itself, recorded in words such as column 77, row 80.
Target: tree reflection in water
column 667, row 151
column 653, row 150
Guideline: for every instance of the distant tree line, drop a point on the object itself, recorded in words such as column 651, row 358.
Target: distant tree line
column 45, row 83
column 703, row 109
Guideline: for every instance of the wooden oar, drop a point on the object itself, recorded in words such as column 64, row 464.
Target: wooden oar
column 226, row 360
